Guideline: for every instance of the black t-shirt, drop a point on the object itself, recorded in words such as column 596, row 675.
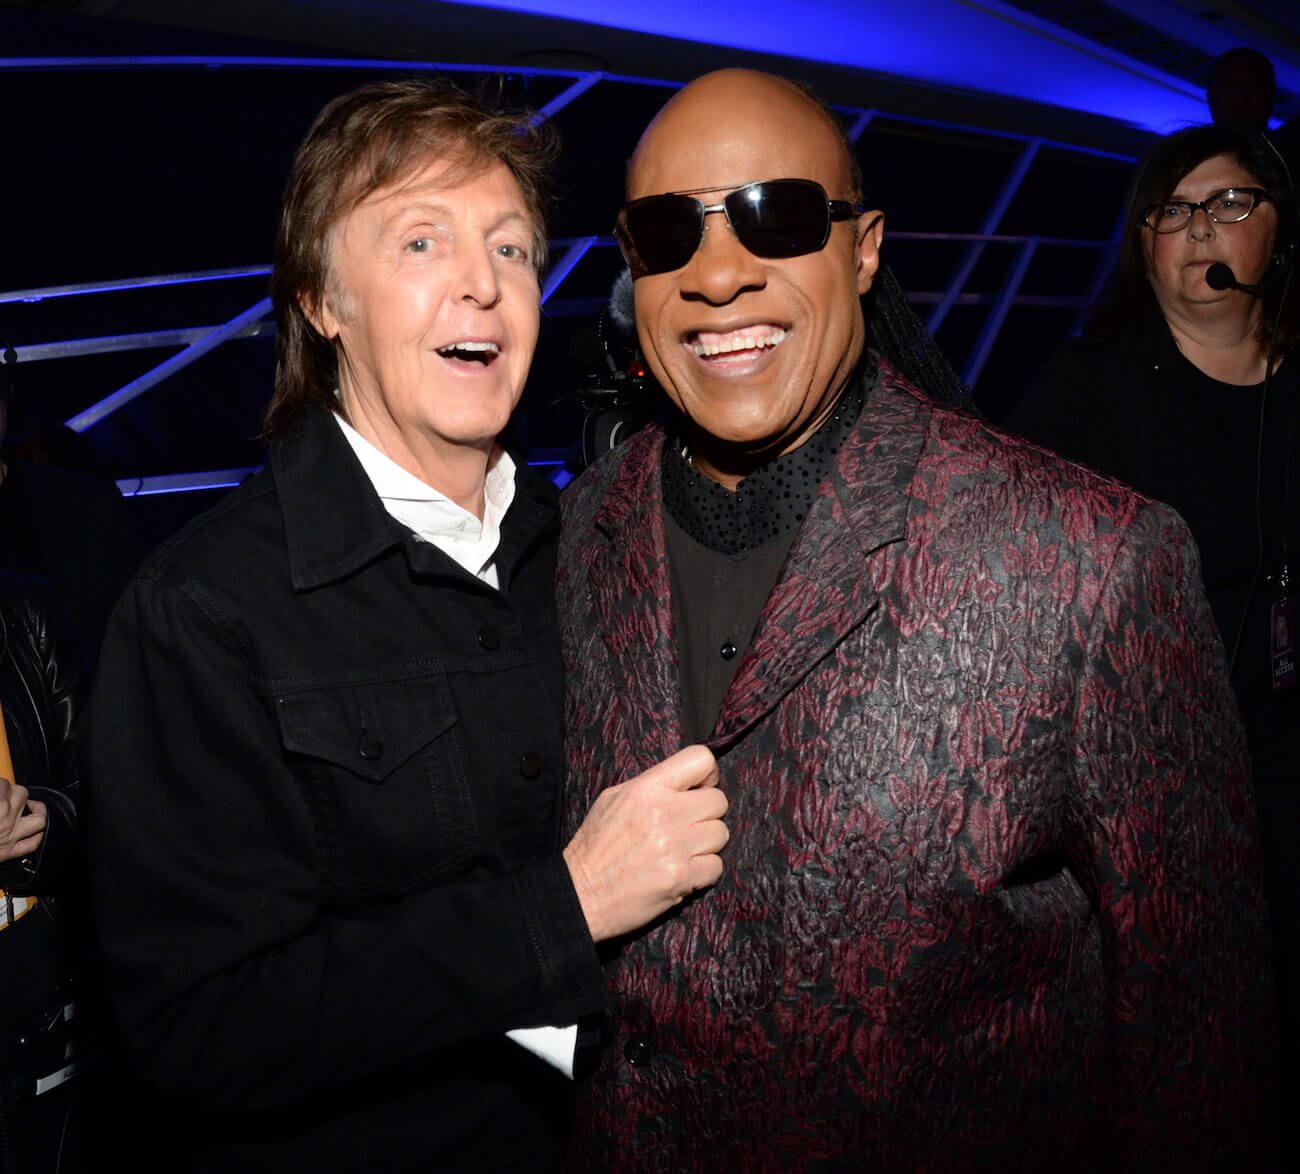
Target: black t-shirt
column 1139, row 411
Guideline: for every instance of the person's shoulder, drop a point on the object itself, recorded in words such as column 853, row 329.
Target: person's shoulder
column 990, row 490
column 1089, row 372
column 226, row 539
column 59, row 483
column 609, row 474
column 1029, row 474
column 28, row 605
column 1083, row 393
column 26, row 596
column 1286, row 138
column 1102, row 351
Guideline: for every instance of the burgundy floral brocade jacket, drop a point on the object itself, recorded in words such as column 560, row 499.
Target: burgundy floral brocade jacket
column 991, row 898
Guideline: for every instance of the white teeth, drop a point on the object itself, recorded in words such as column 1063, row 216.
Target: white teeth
column 489, row 348
column 742, row 343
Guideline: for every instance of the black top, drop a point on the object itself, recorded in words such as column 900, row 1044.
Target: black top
column 1137, row 409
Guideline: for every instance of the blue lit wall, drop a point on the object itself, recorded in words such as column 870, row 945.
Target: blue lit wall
column 978, row 46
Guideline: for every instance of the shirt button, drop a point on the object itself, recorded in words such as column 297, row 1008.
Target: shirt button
column 728, row 650
column 489, row 637
column 637, row 1053
column 370, row 748
column 530, row 765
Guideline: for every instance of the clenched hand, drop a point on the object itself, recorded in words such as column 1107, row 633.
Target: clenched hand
column 648, row 843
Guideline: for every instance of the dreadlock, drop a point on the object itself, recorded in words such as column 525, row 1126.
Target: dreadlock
column 894, row 328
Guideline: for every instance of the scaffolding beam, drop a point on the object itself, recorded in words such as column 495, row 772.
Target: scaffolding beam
column 196, row 350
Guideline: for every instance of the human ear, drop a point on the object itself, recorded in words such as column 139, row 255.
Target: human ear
column 321, row 314
column 868, row 249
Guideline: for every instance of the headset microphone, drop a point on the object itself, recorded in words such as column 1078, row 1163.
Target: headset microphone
column 1219, row 276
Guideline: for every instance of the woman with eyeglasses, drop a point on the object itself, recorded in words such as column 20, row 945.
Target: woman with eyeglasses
column 1184, row 384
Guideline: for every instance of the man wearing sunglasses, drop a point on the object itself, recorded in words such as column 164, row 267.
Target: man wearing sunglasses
column 991, row 896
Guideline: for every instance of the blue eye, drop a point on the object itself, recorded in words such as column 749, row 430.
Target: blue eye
column 513, row 252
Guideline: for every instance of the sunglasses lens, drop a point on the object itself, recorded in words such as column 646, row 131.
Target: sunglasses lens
column 774, row 218
column 660, row 233
column 780, row 218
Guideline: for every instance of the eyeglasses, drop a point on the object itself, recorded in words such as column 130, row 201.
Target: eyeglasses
column 1229, row 206
column 772, row 218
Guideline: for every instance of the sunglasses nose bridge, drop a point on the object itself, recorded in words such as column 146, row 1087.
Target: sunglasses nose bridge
column 718, row 209
column 721, row 268
column 707, row 210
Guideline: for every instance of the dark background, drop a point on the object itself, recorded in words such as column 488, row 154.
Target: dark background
column 113, row 173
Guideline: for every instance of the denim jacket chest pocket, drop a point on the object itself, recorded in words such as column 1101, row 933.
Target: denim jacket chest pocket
column 384, row 775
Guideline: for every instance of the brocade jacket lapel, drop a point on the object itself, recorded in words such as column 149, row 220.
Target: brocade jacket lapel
column 825, row 591
column 829, row 584
column 632, row 595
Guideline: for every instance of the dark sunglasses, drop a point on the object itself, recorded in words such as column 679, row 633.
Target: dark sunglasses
column 772, row 218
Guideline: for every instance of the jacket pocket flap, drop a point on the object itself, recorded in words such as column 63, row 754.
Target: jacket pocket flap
column 369, row 730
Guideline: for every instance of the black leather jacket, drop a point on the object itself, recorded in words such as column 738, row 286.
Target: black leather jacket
column 39, row 1035
column 38, row 697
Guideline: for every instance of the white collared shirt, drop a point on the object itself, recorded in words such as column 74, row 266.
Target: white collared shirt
column 435, row 518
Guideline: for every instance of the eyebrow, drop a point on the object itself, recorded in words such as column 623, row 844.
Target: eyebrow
column 1175, row 198
column 420, row 207
column 501, row 220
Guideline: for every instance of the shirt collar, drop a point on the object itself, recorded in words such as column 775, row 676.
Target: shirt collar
column 775, row 498
column 434, row 517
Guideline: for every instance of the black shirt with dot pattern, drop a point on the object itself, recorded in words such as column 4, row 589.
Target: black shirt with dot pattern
column 725, row 551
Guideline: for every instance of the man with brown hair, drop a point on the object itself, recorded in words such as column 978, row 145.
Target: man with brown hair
column 991, row 898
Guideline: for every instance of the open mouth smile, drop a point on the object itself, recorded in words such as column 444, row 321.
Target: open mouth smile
column 471, row 351
column 745, row 343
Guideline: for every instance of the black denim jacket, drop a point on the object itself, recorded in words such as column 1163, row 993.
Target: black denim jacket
column 324, row 766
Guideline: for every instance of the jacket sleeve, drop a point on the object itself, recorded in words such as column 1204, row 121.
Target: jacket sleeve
column 1167, row 839
column 236, row 982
